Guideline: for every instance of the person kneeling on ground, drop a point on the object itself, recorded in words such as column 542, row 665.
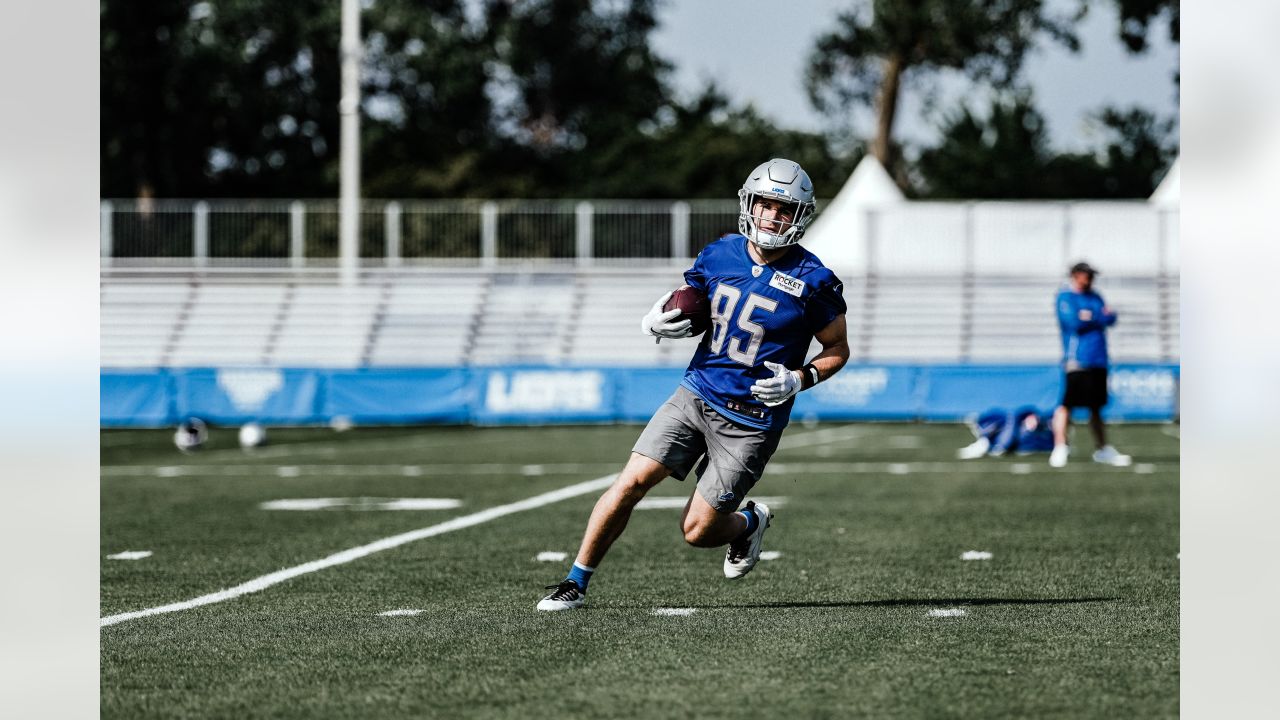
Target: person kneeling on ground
column 999, row 432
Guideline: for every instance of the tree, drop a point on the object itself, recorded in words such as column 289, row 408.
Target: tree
column 575, row 77
column 239, row 97
column 1136, row 17
column 877, row 50
column 1006, row 154
column 705, row 149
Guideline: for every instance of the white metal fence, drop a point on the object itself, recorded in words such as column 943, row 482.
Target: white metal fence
column 908, row 238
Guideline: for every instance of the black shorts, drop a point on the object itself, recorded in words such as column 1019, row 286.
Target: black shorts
column 1086, row 388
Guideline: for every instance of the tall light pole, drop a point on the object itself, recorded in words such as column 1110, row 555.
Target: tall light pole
column 349, row 109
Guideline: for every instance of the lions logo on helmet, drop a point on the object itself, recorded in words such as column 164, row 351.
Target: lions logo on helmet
column 781, row 180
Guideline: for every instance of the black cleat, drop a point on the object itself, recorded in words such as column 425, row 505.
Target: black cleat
column 567, row 596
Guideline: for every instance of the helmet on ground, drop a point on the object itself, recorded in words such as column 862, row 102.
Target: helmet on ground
column 190, row 435
column 780, row 180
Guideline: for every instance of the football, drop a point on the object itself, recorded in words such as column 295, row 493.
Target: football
column 693, row 306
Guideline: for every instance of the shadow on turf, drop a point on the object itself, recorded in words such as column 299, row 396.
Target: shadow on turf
column 910, row 602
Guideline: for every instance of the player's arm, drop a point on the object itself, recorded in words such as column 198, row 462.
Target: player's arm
column 786, row 383
column 1075, row 319
column 1108, row 315
column 834, row 339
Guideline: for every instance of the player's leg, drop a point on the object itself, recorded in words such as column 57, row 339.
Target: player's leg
column 613, row 509
column 734, row 463
column 669, row 445
column 1061, row 423
column 704, row 526
column 1097, row 427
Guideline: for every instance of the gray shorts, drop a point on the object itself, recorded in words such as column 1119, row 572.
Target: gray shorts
column 686, row 428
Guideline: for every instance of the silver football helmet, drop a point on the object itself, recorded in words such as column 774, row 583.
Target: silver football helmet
column 191, row 435
column 782, row 180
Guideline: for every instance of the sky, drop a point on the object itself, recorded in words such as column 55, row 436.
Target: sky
column 756, row 50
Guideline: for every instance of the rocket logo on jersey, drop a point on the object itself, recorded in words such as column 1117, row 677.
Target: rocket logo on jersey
column 787, row 284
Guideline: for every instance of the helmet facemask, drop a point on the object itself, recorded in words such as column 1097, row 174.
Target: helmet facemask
column 781, row 181
column 786, row 232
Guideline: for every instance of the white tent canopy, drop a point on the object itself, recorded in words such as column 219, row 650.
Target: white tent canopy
column 1169, row 193
column 838, row 234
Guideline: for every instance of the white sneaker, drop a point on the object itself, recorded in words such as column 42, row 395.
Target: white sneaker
column 740, row 558
column 976, row 450
column 567, row 596
column 1108, row 455
column 1058, row 458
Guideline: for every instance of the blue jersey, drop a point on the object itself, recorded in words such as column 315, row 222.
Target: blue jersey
column 1024, row 430
column 758, row 313
column 1084, row 340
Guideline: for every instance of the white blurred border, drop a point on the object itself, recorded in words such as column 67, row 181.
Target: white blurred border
column 1230, row 356
column 49, row 358
column 48, row 381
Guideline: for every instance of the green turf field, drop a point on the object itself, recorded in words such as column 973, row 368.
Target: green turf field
column 1074, row 615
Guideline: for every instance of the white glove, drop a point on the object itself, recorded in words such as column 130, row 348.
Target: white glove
column 775, row 390
column 659, row 323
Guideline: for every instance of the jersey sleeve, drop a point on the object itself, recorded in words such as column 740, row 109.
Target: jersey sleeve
column 696, row 276
column 826, row 304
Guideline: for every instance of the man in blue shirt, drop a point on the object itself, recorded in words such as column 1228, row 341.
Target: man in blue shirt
column 769, row 299
column 1083, row 318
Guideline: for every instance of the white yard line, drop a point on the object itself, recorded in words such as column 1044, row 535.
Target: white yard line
column 821, row 437
column 505, row 470
column 798, row 440
column 355, row 553
column 332, row 446
column 329, row 470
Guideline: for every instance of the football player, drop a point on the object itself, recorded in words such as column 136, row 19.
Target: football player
column 1023, row 430
column 769, row 298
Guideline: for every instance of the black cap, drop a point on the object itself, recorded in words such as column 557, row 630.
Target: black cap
column 1083, row 267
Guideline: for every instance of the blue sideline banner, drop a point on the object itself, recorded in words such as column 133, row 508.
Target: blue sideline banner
column 396, row 396
column 133, row 398
column 953, row 392
column 238, row 395
column 1143, row 392
column 544, row 395
column 641, row 391
column 863, row 392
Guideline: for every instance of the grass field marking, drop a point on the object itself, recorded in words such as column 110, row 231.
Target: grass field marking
column 130, row 555
column 362, row 503
column 674, row 612
column 1173, row 431
column 1144, row 468
column 552, row 556
column 355, row 553
column 975, row 555
column 820, row 437
column 947, row 612
column 327, row 447
column 403, row 612
column 770, row 554
column 1020, row 468
column 503, row 470
column 328, row 470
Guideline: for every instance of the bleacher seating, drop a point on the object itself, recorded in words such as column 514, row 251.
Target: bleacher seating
column 325, row 326
column 590, row 317
column 428, row 323
column 138, row 321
